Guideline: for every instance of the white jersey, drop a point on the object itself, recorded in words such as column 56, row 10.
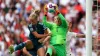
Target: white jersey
column 68, row 38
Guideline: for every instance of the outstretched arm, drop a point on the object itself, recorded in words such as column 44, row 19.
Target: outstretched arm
column 76, row 35
column 46, row 23
column 63, row 20
column 80, row 35
column 64, row 23
column 83, row 36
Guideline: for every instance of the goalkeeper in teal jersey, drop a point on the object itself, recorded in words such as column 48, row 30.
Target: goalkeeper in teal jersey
column 58, row 30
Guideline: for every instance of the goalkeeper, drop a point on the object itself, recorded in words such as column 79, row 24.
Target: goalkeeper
column 58, row 30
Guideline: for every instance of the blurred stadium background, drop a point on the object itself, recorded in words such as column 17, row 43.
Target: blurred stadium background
column 14, row 19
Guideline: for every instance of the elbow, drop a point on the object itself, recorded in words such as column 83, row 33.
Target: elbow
column 37, row 36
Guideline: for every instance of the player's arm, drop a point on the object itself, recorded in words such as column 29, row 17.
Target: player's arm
column 34, row 32
column 77, row 35
column 48, row 37
column 45, row 22
column 46, row 31
column 80, row 35
column 63, row 20
column 44, row 40
column 40, row 35
column 83, row 36
column 64, row 23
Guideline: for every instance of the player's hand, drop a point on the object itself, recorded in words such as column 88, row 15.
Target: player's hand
column 40, row 40
column 56, row 9
column 46, row 39
column 45, row 10
column 49, row 34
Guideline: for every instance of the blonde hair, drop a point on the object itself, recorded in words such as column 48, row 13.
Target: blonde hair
column 36, row 11
column 34, row 14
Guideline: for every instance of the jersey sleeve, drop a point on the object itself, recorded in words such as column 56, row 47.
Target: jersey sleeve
column 44, row 27
column 74, row 34
column 46, row 23
column 63, row 20
column 31, row 28
column 71, row 34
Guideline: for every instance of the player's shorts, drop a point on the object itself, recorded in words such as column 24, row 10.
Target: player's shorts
column 32, row 52
column 37, row 45
column 60, row 50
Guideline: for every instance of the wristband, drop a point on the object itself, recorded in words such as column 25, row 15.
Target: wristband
column 57, row 12
column 45, row 13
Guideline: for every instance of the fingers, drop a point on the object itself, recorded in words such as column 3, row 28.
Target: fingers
column 56, row 7
column 45, row 8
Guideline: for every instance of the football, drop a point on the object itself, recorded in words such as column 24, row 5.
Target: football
column 50, row 7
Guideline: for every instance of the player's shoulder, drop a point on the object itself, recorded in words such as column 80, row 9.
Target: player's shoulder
column 30, row 25
column 41, row 24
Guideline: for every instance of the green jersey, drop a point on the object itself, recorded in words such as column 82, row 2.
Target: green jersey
column 58, row 32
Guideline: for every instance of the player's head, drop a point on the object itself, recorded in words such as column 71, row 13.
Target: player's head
column 57, row 20
column 34, row 16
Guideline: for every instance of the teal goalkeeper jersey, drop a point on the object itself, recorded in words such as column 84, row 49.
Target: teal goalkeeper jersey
column 58, row 33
